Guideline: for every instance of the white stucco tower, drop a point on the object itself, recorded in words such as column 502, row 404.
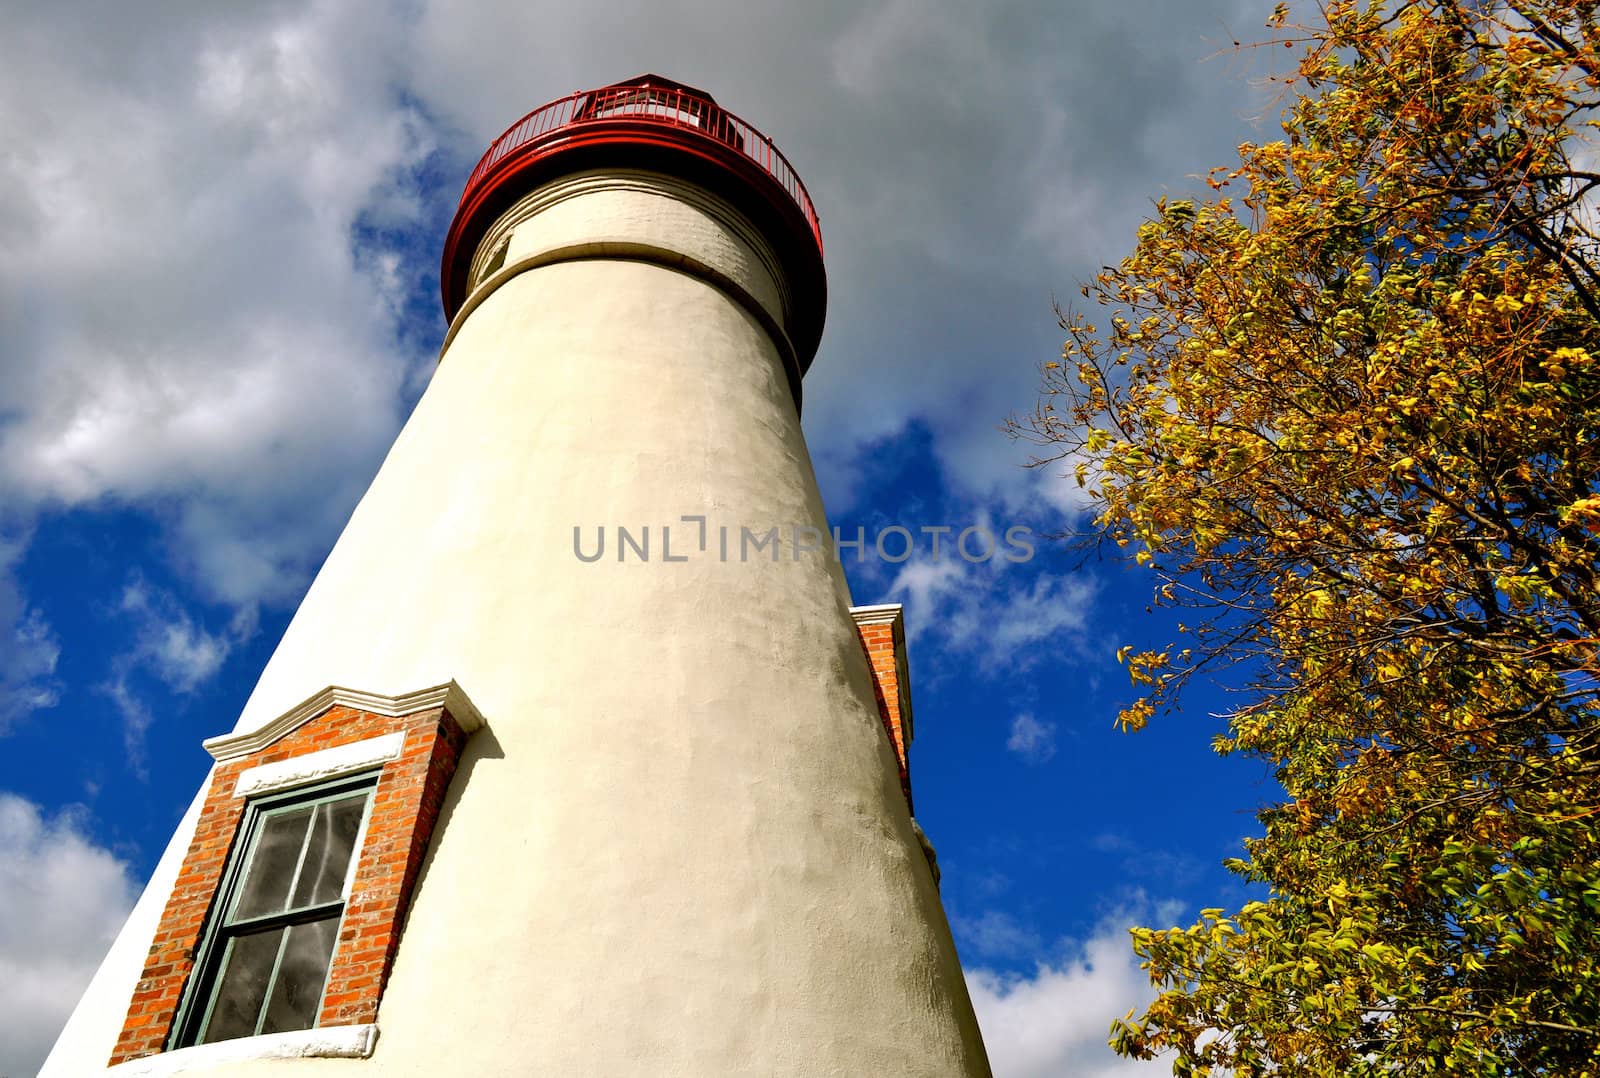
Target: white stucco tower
column 498, row 806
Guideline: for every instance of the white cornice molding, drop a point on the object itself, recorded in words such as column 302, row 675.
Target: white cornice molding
column 449, row 695
column 880, row 614
column 894, row 616
column 326, row 1042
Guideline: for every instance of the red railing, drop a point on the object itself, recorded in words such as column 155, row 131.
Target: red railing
column 654, row 104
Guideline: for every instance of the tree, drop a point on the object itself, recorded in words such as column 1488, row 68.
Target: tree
column 1348, row 409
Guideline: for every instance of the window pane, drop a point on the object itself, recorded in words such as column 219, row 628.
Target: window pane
column 242, row 985
column 271, row 871
column 333, row 837
column 301, row 976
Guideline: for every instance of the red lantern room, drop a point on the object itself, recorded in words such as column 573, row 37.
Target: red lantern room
column 654, row 124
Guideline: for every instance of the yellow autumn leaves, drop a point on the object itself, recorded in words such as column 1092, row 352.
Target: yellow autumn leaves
column 1350, row 415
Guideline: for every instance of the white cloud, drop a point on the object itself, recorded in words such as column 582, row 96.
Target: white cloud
column 1054, row 1023
column 64, row 898
column 170, row 644
column 29, row 648
column 1031, row 739
column 995, row 934
column 1050, row 613
column 1015, row 151
column 997, row 469
column 179, row 650
column 927, row 584
column 1154, row 865
column 202, row 339
column 28, row 663
column 991, row 611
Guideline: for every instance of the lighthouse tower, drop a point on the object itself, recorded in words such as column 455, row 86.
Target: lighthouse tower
column 576, row 759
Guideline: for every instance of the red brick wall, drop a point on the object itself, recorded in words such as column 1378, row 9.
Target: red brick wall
column 405, row 806
column 878, row 639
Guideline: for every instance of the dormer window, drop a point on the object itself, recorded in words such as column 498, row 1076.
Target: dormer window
column 264, row 965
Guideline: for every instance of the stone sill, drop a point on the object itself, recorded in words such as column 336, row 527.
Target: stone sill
column 329, row 1042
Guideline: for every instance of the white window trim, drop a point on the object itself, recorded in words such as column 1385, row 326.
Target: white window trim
column 322, row 1042
column 320, row 766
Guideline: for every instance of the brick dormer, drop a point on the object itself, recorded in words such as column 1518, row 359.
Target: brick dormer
column 388, row 762
column 883, row 635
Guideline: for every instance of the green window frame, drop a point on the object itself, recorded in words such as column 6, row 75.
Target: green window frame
column 262, row 964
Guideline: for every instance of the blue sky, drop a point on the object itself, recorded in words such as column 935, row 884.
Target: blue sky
column 220, row 303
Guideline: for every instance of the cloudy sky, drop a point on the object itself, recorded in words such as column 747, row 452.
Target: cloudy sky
column 218, row 303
